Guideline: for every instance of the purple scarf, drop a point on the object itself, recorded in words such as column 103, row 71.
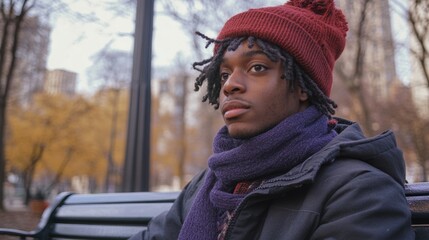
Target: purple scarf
column 271, row 153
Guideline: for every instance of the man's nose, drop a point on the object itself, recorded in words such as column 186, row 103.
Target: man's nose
column 234, row 84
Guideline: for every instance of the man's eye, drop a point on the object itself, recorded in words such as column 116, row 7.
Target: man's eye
column 258, row 68
column 224, row 77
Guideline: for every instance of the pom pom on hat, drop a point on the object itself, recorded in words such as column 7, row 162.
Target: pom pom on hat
column 312, row 31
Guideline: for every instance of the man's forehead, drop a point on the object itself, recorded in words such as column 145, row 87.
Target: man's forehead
column 244, row 50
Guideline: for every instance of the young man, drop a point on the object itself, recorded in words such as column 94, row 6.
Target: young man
column 282, row 167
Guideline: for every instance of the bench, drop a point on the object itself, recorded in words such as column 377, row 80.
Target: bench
column 97, row 216
column 418, row 199
column 120, row 215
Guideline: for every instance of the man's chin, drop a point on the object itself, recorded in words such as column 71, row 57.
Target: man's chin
column 241, row 133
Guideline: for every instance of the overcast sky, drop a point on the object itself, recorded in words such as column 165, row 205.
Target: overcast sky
column 73, row 43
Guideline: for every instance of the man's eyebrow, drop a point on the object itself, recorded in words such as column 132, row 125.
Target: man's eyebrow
column 249, row 54
column 253, row 53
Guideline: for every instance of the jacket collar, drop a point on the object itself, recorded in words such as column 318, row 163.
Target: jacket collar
column 379, row 151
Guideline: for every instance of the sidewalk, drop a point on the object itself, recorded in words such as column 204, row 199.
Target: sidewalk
column 17, row 216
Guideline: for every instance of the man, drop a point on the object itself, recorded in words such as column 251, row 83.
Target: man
column 282, row 167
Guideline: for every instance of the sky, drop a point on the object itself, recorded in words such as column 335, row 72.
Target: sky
column 401, row 36
column 73, row 43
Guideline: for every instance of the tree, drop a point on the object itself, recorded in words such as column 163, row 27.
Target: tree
column 415, row 14
column 362, row 98
column 350, row 68
column 113, row 69
column 13, row 14
column 17, row 20
column 164, row 144
column 409, row 126
column 23, row 50
column 109, row 126
column 181, row 97
column 419, row 23
column 40, row 133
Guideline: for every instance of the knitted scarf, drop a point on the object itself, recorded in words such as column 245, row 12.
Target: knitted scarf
column 271, row 153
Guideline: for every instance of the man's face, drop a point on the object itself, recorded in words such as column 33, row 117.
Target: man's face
column 254, row 97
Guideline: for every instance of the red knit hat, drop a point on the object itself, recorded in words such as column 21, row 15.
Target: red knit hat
column 312, row 31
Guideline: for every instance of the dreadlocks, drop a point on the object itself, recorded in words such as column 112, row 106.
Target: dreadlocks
column 292, row 72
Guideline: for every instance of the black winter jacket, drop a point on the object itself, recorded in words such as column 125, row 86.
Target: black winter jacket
column 350, row 190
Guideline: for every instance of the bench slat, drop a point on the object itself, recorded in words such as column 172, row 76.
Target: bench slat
column 83, row 231
column 129, row 197
column 417, row 189
column 120, row 213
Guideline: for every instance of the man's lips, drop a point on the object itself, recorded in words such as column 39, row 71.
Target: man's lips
column 234, row 108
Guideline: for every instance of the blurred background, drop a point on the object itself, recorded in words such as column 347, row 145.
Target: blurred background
column 66, row 78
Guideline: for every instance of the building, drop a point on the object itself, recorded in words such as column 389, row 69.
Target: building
column 32, row 55
column 59, row 81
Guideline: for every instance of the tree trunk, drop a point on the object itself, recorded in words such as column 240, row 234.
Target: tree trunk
column 109, row 182
column 36, row 156
column 181, row 102
column 9, row 16
column 60, row 170
column 2, row 152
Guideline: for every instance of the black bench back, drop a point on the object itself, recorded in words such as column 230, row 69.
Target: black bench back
column 102, row 215
column 108, row 215
column 120, row 215
column 418, row 199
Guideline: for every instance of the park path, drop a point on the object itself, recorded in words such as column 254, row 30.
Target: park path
column 18, row 217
